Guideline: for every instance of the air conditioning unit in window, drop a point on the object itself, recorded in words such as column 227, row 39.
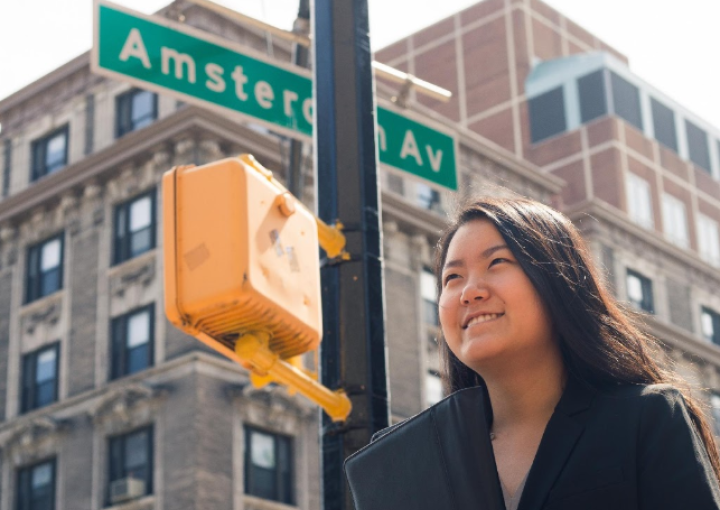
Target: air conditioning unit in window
column 125, row 489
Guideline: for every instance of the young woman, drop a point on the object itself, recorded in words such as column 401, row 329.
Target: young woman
column 584, row 415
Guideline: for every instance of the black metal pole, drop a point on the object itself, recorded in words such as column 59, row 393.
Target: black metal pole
column 353, row 346
column 300, row 58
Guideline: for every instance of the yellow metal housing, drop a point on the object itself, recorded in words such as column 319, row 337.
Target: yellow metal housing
column 240, row 256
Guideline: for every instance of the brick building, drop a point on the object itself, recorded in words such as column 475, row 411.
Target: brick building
column 640, row 171
column 103, row 404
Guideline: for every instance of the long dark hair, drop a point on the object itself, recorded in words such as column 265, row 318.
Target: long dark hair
column 600, row 342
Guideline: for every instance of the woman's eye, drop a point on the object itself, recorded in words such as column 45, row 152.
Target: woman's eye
column 449, row 277
column 498, row 260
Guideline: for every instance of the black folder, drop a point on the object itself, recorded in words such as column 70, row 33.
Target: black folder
column 440, row 459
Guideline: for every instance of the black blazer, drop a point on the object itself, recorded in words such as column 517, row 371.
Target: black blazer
column 628, row 448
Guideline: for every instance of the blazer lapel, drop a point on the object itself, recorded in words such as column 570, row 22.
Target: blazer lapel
column 561, row 434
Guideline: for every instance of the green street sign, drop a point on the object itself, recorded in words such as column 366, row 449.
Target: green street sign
column 197, row 67
column 416, row 148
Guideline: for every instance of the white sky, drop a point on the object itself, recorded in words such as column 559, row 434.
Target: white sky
column 672, row 44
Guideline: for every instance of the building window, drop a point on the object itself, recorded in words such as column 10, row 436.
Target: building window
column 639, row 202
column 135, row 109
column 639, row 291
column 134, row 227
column 44, row 268
column 591, row 90
column 268, row 466
column 626, row 100
column 7, row 163
column 715, row 407
column 675, row 221
column 427, row 197
column 433, row 388
column 36, row 486
column 39, row 378
column 664, row 124
column 130, row 470
column 697, row 141
column 132, row 342
column 710, row 324
column 428, row 292
column 547, row 114
column 708, row 240
column 50, row 153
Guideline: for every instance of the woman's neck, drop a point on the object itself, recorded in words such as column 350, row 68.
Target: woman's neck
column 525, row 396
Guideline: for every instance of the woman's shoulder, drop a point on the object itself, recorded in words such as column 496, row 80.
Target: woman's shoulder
column 647, row 397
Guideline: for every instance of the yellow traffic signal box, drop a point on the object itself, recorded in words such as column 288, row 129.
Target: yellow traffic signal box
column 241, row 256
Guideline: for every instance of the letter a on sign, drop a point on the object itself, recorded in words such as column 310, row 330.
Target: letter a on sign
column 135, row 47
column 410, row 148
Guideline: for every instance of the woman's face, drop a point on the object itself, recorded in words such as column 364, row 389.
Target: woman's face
column 490, row 313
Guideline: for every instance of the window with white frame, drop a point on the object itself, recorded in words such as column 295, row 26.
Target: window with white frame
column 708, row 240
column 639, row 291
column 675, row 221
column 639, row 202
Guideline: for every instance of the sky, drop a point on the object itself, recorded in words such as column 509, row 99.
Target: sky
column 672, row 44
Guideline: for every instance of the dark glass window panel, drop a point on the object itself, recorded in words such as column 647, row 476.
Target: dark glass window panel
column 430, row 313
column 45, row 393
column 39, row 378
column 135, row 109
column 130, row 456
column 626, row 100
column 143, row 109
column 7, row 163
column 268, row 466
column 134, row 227
column 55, row 153
column 50, row 282
column 710, row 321
column 137, row 359
column 664, row 124
column 36, row 487
column 698, row 149
column 140, row 242
column 547, row 115
column 591, row 90
column 49, row 154
column 132, row 342
column 44, row 268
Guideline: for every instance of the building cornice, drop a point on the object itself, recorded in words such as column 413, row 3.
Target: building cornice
column 129, row 147
column 605, row 213
column 684, row 341
column 411, row 216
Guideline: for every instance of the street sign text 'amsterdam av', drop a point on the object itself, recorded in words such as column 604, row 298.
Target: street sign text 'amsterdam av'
column 170, row 58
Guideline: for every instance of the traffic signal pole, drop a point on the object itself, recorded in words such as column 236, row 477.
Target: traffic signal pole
column 352, row 352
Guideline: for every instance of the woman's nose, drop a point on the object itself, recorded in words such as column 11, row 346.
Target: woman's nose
column 474, row 291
